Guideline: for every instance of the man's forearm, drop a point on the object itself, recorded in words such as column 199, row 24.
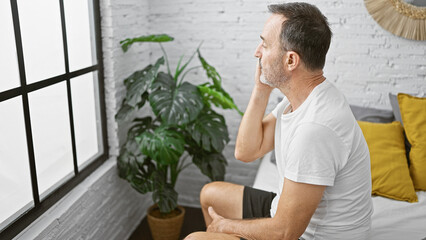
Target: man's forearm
column 250, row 133
column 256, row 229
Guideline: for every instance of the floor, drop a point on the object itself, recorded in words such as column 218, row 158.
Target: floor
column 192, row 222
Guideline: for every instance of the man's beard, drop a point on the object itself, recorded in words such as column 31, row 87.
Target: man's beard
column 275, row 76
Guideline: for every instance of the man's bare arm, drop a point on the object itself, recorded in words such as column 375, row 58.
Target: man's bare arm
column 297, row 204
column 256, row 133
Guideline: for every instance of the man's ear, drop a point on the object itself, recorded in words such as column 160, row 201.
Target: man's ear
column 292, row 60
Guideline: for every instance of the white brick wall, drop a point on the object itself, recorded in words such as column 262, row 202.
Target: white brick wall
column 364, row 61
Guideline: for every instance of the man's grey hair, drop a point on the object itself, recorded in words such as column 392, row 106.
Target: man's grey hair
column 305, row 31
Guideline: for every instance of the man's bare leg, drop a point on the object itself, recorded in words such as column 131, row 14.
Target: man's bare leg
column 225, row 198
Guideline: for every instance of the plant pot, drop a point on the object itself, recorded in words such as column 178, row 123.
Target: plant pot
column 165, row 227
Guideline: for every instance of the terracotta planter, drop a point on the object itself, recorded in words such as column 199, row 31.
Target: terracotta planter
column 165, row 228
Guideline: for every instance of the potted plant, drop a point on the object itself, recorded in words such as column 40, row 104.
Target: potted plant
column 184, row 125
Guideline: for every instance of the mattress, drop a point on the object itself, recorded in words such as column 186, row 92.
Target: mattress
column 391, row 219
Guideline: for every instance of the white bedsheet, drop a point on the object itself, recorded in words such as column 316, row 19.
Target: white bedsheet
column 391, row 220
column 399, row 220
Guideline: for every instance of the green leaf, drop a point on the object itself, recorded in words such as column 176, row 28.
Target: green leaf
column 140, row 81
column 175, row 105
column 124, row 111
column 215, row 94
column 211, row 72
column 143, row 100
column 163, row 145
column 178, row 67
column 143, row 179
column 209, row 131
column 139, row 126
column 180, row 70
column 218, row 97
column 164, row 194
column 144, row 176
column 136, row 85
column 211, row 164
column 125, row 163
column 131, row 164
column 232, row 100
column 126, row 43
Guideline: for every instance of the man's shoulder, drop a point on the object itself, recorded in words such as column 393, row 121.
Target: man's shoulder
column 330, row 109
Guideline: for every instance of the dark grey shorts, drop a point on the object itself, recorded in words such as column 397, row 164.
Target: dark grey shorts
column 256, row 203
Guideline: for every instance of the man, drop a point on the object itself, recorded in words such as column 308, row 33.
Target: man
column 322, row 157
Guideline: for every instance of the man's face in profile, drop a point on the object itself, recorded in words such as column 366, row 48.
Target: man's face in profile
column 270, row 53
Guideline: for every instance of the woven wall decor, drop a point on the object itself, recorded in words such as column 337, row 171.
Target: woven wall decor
column 398, row 17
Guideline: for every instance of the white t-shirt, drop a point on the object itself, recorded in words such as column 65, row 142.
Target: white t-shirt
column 321, row 143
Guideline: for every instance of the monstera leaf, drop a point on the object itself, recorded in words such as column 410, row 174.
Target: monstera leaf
column 127, row 161
column 140, row 81
column 164, row 194
column 211, row 72
column 163, row 145
column 211, row 164
column 126, row 43
column 137, row 84
column 142, row 180
column 174, row 104
column 209, row 130
column 140, row 125
column 218, row 98
column 134, row 167
column 215, row 93
column 124, row 111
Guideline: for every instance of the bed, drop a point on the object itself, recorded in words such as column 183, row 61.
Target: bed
column 392, row 219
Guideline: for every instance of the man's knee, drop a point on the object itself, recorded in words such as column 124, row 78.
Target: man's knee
column 209, row 191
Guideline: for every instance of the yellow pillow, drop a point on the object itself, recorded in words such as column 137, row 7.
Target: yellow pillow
column 389, row 169
column 413, row 114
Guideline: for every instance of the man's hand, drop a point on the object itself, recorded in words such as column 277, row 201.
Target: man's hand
column 258, row 83
column 217, row 224
column 296, row 206
column 256, row 133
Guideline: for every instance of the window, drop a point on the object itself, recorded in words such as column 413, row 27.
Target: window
column 52, row 113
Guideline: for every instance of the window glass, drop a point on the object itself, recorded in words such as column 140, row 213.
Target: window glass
column 86, row 113
column 8, row 58
column 52, row 136
column 41, row 39
column 15, row 181
column 48, row 122
column 80, row 33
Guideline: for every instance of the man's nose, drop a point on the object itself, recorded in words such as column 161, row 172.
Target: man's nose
column 258, row 52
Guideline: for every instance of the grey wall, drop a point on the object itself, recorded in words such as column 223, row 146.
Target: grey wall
column 364, row 61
